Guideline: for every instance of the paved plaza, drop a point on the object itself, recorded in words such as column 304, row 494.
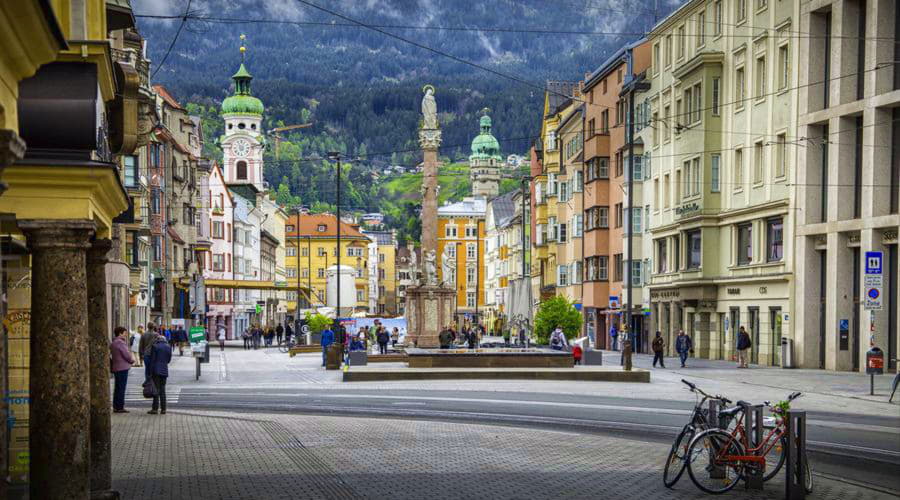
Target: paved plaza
column 246, row 456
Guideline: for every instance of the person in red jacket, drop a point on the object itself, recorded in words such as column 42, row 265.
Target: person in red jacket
column 576, row 353
column 120, row 363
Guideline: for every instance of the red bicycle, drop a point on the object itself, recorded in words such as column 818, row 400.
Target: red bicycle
column 717, row 459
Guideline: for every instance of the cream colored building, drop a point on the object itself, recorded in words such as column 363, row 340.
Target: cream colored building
column 722, row 114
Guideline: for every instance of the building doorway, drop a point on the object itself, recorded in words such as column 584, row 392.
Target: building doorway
column 722, row 320
column 735, row 327
column 775, row 327
column 753, row 317
column 854, row 324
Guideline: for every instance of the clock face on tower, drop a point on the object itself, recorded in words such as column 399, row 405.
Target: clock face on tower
column 241, row 147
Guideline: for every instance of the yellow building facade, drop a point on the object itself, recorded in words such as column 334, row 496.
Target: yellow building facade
column 311, row 248
column 68, row 109
column 461, row 255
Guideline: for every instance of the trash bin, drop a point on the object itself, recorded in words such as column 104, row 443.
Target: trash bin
column 875, row 361
column 787, row 352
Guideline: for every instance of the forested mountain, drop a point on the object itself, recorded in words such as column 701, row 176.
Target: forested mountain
column 361, row 89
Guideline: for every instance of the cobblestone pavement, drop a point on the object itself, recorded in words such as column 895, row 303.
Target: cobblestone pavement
column 208, row 455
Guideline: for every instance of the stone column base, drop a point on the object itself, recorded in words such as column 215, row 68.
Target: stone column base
column 429, row 308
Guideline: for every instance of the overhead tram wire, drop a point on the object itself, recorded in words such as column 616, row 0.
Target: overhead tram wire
column 184, row 18
column 486, row 29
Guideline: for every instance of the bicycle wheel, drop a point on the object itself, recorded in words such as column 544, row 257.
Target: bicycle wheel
column 775, row 458
column 675, row 462
column 710, row 473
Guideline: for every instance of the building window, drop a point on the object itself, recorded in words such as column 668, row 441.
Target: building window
column 620, row 215
column 291, row 251
column 695, row 177
column 780, row 156
column 603, row 268
column 636, row 273
column 563, row 235
column 717, row 11
column 656, row 62
column 656, row 126
column 661, row 256
column 470, row 299
column 784, row 65
column 450, row 231
column 603, row 217
column 471, row 231
column 738, row 169
column 694, row 249
column 760, row 77
column 320, row 272
column 218, row 230
column 154, row 201
column 562, row 275
column 471, row 250
column 218, row 262
column 681, row 41
column 758, row 162
column 578, row 226
column 715, row 172
column 241, row 170
column 360, row 295
column 637, row 170
column 666, row 191
column 292, row 272
column 701, row 29
column 774, row 240
column 744, row 244
column 668, row 50
column 740, row 10
column 130, row 165
column 619, row 266
column 714, row 107
column 304, row 252
column 739, row 88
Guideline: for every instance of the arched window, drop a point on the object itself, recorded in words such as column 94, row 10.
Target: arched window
column 242, row 170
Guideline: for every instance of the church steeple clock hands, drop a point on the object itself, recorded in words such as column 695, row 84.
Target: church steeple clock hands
column 243, row 142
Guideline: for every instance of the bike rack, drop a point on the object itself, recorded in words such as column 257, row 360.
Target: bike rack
column 715, row 471
column 753, row 422
column 795, row 482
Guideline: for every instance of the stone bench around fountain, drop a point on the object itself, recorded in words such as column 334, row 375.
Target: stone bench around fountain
column 498, row 357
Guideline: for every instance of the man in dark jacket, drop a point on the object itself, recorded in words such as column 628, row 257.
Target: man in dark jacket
column 279, row 333
column 683, row 345
column 147, row 340
column 658, row 345
column 160, row 356
column 383, row 337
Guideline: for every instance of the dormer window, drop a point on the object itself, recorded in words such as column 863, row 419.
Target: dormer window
column 321, row 228
column 241, row 126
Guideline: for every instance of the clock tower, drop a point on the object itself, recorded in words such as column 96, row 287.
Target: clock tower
column 243, row 142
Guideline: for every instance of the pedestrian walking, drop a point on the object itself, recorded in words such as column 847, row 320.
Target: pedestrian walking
column 395, row 336
column 288, row 333
column 576, row 353
column 383, row 338
column 327, row 340
column 136, row 346
column 245, row 336
column 146, row 343
column 743, row 345
column 257, row 336
column 221, row 338
column 473, row 337
column 614, row 337
column 558, row 339
column 160, row 357
column 658, row 345
column 121, row 361
column 279, row 333
column 683, row 345
column 445, row 337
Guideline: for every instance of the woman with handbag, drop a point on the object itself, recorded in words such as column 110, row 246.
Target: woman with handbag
column 120, row 364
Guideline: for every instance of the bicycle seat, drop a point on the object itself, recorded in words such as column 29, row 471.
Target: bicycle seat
column 730, row 412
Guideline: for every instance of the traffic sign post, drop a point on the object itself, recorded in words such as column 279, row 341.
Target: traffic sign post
column 873, row 282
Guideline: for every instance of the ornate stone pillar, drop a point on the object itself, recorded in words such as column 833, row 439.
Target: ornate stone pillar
column 59, row 379
column 98, row 354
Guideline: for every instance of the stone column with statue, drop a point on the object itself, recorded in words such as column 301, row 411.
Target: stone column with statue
column 430, row 304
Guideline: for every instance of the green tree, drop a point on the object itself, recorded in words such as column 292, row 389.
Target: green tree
column 317, row 322
column 283, row 197
column 558, row 311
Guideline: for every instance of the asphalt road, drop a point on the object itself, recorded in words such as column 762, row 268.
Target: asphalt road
column 854, row 447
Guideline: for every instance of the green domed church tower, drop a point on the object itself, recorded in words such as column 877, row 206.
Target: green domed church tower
column 485, row 161
column 243, row 142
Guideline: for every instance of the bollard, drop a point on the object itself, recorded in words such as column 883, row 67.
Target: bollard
column 752, row 437
column 795, row 468
column 626, row 355
column 715, row 421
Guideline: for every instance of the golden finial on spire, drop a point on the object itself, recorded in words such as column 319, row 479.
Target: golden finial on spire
column 243, row 48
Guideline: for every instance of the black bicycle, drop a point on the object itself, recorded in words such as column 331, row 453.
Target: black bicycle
column 677, row 459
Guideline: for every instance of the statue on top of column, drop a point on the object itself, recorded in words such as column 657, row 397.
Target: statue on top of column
column 429, row 109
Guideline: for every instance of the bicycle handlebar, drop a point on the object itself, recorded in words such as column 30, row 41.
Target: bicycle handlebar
column 694, row 388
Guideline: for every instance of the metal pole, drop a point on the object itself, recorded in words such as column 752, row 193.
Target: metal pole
column 630, row 228
column 338, row 209
column 477, row 268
